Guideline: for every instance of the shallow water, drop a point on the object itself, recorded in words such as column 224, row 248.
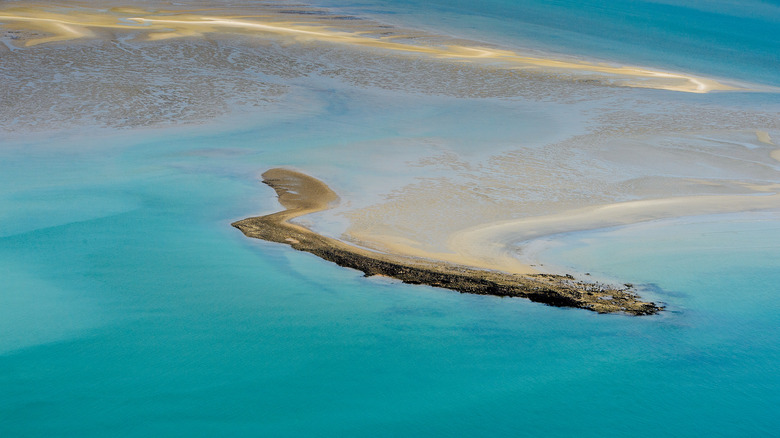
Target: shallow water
column 130, row 307
column 726, row 38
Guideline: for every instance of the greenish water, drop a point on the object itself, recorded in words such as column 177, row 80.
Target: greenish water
column 130, row 307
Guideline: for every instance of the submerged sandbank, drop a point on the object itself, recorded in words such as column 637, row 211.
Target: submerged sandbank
column 479, row 210
column 496, row 239
column 307, row 24
column 301, row 194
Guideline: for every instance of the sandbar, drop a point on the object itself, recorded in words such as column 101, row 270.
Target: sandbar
column 62, row 24
column 301, row 194
column 495, row 240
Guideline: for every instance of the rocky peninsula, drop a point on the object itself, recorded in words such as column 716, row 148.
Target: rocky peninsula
column 302, row 194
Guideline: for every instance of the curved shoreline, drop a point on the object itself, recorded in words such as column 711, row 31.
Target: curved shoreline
column 301, row 194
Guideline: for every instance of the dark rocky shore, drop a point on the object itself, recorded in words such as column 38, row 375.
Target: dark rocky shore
column 302, row 194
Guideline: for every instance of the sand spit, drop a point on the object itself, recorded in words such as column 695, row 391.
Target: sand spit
column 491, row 240
column 47, row 25
column 301, row 194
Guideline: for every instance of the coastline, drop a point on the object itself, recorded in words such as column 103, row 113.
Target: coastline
column 301, row 194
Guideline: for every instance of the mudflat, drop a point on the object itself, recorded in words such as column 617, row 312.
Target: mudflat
column 301, row 194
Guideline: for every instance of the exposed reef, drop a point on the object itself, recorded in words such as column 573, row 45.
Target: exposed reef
column 301, row 194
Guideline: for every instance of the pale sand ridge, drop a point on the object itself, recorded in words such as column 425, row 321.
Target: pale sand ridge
column 78, row 23
column 492, row 241
column 298, row 193
column 493, row 245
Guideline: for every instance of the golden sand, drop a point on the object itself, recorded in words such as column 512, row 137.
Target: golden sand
column 299, row 194
column 493, row 245
column 77, row 23
column 764, row 137
column 490, row 241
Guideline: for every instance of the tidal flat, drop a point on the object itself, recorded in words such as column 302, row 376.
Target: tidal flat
column 302, row 195
column 518, row 146
column 617, row 145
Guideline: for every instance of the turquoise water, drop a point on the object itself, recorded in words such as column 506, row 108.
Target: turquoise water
column 724, row 38
column 130, row 307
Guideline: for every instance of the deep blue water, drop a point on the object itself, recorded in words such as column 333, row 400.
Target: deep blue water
column 130, row 307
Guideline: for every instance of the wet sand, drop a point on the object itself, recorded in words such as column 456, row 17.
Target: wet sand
column 305, row 25
column 301, row 194
column 249, row 58
column 491, row 240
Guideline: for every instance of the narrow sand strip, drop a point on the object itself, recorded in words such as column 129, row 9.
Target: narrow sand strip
column 301, row 194
column 77, row 23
